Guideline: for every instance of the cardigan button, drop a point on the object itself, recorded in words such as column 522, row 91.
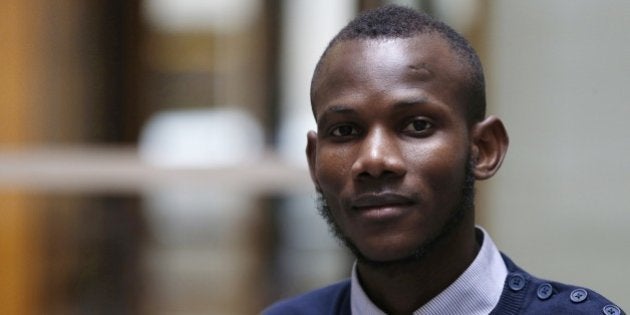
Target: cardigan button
column 545, row 291
column 516, row 282
column 578, row 295
column 611, row 310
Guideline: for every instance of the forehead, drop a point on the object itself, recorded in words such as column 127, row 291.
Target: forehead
column 425, row 61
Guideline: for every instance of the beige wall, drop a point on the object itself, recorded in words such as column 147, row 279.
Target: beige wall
column 558, row 75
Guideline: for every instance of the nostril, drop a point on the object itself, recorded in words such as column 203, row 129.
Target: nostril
column 371, row 166
column 378, row 156
column 377, row 173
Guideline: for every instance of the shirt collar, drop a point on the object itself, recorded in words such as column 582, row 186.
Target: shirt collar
column 476, row 291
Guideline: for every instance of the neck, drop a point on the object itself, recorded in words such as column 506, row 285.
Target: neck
column 403, row 288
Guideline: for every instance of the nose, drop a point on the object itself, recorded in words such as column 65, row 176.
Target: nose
column 379, row 156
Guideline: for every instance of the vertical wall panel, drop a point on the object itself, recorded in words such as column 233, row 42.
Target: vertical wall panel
column 558, row 73
column 19, row 256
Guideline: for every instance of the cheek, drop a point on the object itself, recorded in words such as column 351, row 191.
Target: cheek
column 440, row 167
column 333, row 168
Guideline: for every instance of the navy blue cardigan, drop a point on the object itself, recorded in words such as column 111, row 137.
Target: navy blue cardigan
column 522, row 294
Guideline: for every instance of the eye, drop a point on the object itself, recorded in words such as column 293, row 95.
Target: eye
column 418, row 126
column 344, row 131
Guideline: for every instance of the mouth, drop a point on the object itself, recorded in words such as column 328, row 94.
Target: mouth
column 381, row 206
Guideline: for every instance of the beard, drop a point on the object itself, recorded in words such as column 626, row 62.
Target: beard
column 465, row 205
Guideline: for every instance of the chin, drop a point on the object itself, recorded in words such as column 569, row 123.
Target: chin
column 384, row 254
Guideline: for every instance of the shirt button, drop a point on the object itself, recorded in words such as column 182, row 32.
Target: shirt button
column 611, row 310
column 578, row 295
column 545, row 291
column 516, row 282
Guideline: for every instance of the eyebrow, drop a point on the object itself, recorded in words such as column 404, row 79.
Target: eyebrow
column 335, row 109
column 412, row 102
column 339, row 109
column 345, row 110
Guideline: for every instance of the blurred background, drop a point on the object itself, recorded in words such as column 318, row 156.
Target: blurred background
column 151, row 151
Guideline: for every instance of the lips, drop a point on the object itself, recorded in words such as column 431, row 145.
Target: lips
column 381, row 201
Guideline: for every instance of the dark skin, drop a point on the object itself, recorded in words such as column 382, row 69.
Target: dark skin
column 389, row 157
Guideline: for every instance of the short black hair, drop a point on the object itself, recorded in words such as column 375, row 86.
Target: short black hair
column 393, row 21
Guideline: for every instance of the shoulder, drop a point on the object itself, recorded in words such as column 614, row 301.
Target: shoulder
column 333, row 299
column 526, row 294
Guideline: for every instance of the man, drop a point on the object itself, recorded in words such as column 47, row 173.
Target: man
column 401, row 137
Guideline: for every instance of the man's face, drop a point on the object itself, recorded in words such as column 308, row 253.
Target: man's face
column 392, row 143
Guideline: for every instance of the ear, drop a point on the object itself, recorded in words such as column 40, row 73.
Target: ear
column 489, row 146
column 311, row 155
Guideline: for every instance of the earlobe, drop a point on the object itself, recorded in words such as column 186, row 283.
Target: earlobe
column 311, row 155
column 490, row 143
